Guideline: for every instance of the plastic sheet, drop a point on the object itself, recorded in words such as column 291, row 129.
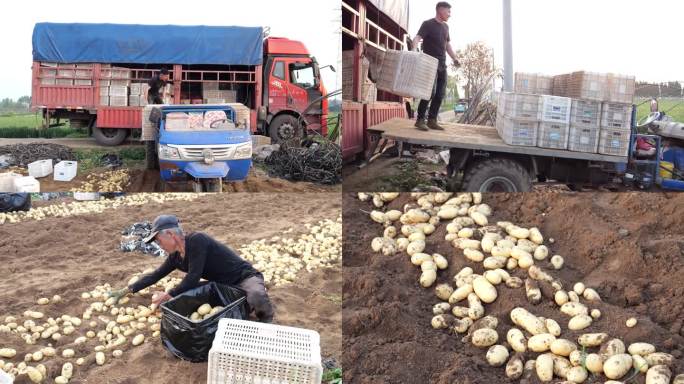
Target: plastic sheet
column 10, row 202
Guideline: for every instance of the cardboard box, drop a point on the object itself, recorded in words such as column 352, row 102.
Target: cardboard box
column 409, row 74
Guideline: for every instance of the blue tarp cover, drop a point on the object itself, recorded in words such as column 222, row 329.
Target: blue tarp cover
column 146, row 44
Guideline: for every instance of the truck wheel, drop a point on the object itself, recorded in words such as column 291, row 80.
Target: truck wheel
column 151, row 155
column 283, row 128
column 497, row 175
column 212, row 185
column 109, row 136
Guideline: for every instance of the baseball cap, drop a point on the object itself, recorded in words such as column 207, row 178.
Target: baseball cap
column 161, row 223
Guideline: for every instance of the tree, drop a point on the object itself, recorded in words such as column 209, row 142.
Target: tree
column 477, row 65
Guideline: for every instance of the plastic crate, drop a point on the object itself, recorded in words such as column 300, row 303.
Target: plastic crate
column 65, row 170
column 104, row 100
column 553, row 135
column 533, row 83
column 64, row 81
column 616, row 116
column 251, row 352
column 26, row 184
column 588, row 86
column 583, row 139
column 517, row 132
column 118, row 90
column 118, row 101
column 87, row 82
column 614, row 142
column 585, row 113
column 134, row 100
column 621, row 89
column 519, row 106
column 560, row 85
column 409, row 74
column 7, row 181
column 40, row 168
column 555, row 109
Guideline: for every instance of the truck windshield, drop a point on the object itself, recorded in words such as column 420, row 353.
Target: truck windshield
column 302, row 76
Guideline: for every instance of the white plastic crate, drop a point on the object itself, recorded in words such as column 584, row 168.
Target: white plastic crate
column 40, row 168
column 585, row 113
column 409, row 74
column 118, row 101
column 65, row 170
column 118, row 90
column 614, row 142
column 517, row 132
column 533, row 83
column 250, row 352
column 26, row 184
column 616, row 116
column 177, row 121
column 7, row 181
column 555, row 109
column 519, row 106
column 104, row 100
column 583, row 139
column 553, row 135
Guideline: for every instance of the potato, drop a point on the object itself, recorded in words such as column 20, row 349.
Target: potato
column 514, row 368
column 460, row 311
column 415, row 247
column 579, row 322
column 414, row 216
column 390, row 232
column 561, row 365
column 67, row 370
column 536, row 236
column 595, row 314
column 473, row 255
column 658, row 374
column 441, row 321
column 393, row 215
column 428, row 265
column 617, row 366
column 576, row 357
column 479, row 218
column 487, row 243
column 43, row 301
column 117, row 353
column 402, row 243
column 415, row 236
column 541, row 342
column 441, row 308
column 639, row 363
column 574, row 309
column 572, row 296
column 576, row 375
column 579, row 288
column 541, row 252
column 462, row 325
column 511, row 264
column 468, row 244
column 440, row 261
column 61, row 380
column 592, row 339
column 562, row 347
column 484, row 337
column 99, row 358
column 529, row 322
column 461, row 293
column 679, row 379
column 497, row 355
column 557, row 261
column 34, row 374
column 68, row 353
column 378, row 217
column 594, row 363
column 539, row 274
column 443, row 291
column 494, row 262
column 500, row 251
column 514, row 282
column 447, row 212
column 532, row 291
column 475, row 308
column 544, row 367
column 484, row 290
column 659, row 358
column 419, row 258
column 612, row 347
column 494, row 277
column 553, row 327
column 631, row 322
column 7, row 352
column 641, row 349
column 525, row 262
column 590, row 294
column 427, row 278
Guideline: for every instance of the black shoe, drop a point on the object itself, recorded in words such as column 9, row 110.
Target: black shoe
column 420, row 125
column 432, row 124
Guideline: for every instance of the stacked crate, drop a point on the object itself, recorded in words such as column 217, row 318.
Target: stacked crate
column 138, row 94
column 555, row 122
column 616, row 125
column 212, row 94
column 585, row 122
column 517, row 118
column 368, row 88
column 533, row 83
column 114, row 86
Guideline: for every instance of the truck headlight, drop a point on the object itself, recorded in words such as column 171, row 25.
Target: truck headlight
column 168, row 153
column 243, row 151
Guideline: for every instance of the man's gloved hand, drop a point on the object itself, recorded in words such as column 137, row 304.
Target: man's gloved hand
column 160, row 298
column 118, row 294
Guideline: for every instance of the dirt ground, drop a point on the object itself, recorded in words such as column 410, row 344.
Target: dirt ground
column 67, row 256
column 386, row 314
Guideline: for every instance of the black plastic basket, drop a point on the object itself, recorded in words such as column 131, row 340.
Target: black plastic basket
column 191, row 340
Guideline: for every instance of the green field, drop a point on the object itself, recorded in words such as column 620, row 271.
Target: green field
column 673, row 107
column 29, row 126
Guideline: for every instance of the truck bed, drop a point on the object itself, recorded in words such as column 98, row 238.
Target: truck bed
column 475, row 137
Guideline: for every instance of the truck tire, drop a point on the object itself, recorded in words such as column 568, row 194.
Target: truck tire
column 109, row 136
column 151, row 155
column 283, row 128
column 497, row 175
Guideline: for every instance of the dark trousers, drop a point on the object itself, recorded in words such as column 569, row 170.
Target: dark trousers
column 438, row 91
column 154, row 99
column 257, row 298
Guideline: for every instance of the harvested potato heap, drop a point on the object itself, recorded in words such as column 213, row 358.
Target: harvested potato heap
column 279, row 259
column 108, row 181
column 86, row 207
column 204, row 312
column 505, row 248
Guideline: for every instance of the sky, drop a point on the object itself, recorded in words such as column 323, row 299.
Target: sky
column 315, row 23
column 558, row 36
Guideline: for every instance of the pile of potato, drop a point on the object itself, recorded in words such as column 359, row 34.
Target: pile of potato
column 86, row 207
column 205, row 311
column 279, row 259
column 503, row 249
column 108, row 181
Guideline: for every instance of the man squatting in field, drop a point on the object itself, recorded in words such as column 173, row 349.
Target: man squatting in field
column 200, row 256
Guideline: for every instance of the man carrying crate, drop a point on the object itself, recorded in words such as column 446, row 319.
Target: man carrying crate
column 200, row 256
column 156, row 83
column 434, row 34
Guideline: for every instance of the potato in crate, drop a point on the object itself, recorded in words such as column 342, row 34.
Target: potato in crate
column 409, row 74
column 585, row 113
column 553, row 135
column 517, row 132
column 245, row 352
column 616, row 116
column 555, row 109
column 519, row 106
column 583, row 139
column 614, row 142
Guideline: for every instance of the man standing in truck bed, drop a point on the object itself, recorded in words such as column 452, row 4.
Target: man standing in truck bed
column 156, row 83
column 434, row 34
